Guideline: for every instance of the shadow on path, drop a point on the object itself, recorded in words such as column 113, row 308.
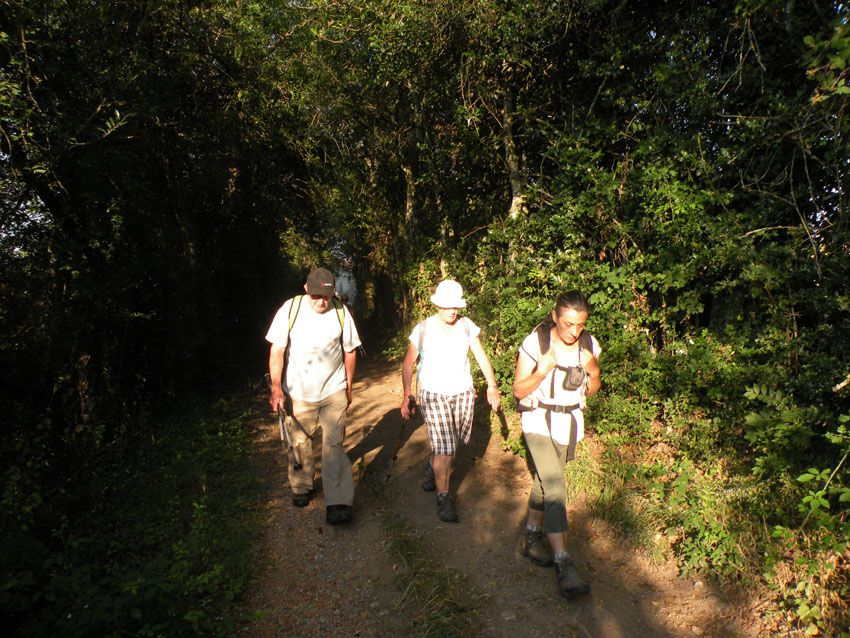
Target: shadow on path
column 385, row 438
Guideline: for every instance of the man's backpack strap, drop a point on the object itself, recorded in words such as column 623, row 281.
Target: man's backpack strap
column 296, row 306
column 340, row 311
column 340, row 314
column 293, row 311
column 293, row 315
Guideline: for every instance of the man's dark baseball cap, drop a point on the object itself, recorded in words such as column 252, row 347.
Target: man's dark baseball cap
column 320, row 282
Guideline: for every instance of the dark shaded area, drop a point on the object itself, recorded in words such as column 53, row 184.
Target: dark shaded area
column 389, row 434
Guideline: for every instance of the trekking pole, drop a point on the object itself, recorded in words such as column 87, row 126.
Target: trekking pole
column 411, row 406
column 294, row 461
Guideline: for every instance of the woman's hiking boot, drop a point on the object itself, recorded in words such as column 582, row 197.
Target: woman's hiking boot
column 570, row 584
column 535, row 547
column 446, row 508
column 429, row 483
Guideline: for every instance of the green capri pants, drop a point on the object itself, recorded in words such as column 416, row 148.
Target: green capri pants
column 548, row 489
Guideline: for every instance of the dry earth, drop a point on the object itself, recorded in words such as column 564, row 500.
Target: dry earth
column 320, row 580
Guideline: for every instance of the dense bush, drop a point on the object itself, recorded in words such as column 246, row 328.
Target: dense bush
column 149, row 537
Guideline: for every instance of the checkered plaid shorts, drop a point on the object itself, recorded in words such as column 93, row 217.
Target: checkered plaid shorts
column 448, row 417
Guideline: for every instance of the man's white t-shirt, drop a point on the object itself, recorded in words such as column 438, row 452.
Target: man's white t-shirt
column 444, row 358
column 315, row 370
column 534, row 421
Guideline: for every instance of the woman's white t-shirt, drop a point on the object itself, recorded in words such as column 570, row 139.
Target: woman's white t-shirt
column 444, row 354
column 534, row 421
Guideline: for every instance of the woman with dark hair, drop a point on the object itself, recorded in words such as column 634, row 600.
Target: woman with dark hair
column 556, row 369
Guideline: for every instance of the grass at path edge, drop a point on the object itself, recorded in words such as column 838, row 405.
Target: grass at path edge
column 436, row 599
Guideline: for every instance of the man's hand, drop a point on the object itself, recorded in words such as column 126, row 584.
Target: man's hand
column 276, row 353
column 276, row 399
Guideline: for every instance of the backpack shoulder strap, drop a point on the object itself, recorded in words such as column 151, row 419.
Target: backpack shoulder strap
column 294, row 307
column 585, row 340
column 340, row 311
column 544, row 336
column 422, row 334
column 340, row 314
column 293, row 310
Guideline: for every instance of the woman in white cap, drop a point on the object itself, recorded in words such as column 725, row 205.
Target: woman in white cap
column 446, row 393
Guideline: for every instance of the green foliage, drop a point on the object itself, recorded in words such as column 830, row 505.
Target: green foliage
column 778, row 434
column 814, row 586
column 700, row 524
column 829, row 60
column 141, row 203
column 152, row 538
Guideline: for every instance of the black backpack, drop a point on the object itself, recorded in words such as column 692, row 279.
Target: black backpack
column 575, row 376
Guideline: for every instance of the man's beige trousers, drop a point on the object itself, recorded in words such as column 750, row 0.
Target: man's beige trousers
column 329, row 414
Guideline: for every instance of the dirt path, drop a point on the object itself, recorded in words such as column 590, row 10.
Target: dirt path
column 321, row 580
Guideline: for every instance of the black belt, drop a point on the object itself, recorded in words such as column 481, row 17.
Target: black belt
column 563, row 409
column 560, row 409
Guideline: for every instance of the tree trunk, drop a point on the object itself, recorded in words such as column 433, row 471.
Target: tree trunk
column 512, row 159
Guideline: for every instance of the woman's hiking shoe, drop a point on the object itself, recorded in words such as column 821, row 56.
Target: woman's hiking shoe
column 570, row 584
column 429, row 483
column 535, row 547
column 446, row 508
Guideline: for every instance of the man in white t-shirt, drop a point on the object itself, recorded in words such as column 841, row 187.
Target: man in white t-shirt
column 316, row 336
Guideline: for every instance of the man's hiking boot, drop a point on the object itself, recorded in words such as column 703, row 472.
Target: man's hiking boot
column 429, row 483
column 446, row 508
column 570, row 584
column 301, row 500
column 338, row 514
column 535, row 547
